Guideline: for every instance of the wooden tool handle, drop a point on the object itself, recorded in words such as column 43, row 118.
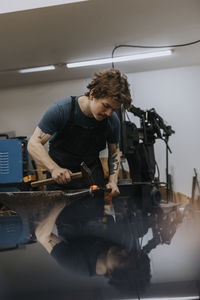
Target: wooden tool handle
column 51, row 180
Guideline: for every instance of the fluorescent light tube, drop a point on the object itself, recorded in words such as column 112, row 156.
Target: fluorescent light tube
column 37, row 69
column 120, row 59
column 169, row 298
column 21, row 5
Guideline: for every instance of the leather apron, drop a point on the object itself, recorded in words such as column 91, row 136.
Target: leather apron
column 75, row 144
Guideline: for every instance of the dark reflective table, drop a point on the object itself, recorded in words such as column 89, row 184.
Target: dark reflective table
column 64, row 245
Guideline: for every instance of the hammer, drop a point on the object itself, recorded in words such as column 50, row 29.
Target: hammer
column 85, row 173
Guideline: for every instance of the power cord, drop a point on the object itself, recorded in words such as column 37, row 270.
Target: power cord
column 153, row 47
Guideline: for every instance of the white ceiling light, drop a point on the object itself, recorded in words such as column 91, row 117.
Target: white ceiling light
column 37, row 69
column 169, row 298
column 20, row 5
column 137, row 56
column 120, row 59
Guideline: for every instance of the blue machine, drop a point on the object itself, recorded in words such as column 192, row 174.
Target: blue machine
column 11, row 161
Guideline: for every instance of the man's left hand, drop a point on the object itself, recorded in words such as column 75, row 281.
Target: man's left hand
column 113, row 186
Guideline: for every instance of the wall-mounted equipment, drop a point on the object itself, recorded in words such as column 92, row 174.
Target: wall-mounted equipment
column 13, row 160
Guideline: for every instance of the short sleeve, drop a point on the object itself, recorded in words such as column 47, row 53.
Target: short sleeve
column 56, row 116
column 70, row 257
column 79, row 255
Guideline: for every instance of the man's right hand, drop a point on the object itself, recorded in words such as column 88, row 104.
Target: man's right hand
column 61, row 175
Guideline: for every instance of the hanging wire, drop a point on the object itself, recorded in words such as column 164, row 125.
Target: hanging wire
column 153, row 47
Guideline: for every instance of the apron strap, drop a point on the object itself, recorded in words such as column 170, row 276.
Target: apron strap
column 71, row 117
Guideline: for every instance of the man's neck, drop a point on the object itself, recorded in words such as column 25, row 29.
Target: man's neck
column 84, row 104
column 101, row 268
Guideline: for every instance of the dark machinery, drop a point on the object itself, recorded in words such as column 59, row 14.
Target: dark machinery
column 137, row 146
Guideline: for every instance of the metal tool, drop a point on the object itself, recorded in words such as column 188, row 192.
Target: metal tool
column 85, row 173
column 51, row 180
column 108, row 205
column 36, row 204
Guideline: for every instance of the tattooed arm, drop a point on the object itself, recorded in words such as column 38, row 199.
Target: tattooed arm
column 49, row 242
column 44, row 229
column 41, row 156
column 113, row 165
column 37, row 150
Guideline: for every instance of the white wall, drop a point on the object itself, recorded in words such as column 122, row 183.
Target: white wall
column 22, row 108
column 174, row 93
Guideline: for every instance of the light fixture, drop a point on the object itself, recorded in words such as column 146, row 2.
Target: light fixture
column 120, row 58
column 21, row 5
column 137, row 56
column 37, row 69
column 170, row 298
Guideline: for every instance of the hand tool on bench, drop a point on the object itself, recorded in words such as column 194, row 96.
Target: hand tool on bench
column 86, row 173
column 36, row 203
column 32, row 200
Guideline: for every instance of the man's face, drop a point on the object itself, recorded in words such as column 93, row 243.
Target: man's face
column 103, row 107
column 115, row 258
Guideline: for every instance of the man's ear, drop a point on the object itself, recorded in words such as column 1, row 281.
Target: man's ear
column 91, row 95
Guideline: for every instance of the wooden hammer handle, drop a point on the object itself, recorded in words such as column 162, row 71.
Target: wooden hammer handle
column 51, row 180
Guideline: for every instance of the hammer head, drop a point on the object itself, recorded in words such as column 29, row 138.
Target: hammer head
column 87, row 174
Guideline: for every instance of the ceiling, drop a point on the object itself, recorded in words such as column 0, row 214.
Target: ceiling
column 90, row 30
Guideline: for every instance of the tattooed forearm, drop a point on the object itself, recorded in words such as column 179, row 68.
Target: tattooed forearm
column 42, row 134
column 52, row 243
column 113, row 164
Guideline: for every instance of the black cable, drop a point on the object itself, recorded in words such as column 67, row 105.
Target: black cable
column 153, row 47
column 137, row 289
column 126, row 113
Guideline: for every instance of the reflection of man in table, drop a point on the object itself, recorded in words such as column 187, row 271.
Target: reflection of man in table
column 90, row 245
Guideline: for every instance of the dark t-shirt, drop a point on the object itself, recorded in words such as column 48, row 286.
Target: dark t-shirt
column 79, row 256
column 86, row 232
column 57, row 116
column 86, row 218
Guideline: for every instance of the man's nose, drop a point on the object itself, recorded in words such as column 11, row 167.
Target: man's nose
column 109, row 112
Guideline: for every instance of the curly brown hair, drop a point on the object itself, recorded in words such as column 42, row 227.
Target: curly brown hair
column 135, row 273
column 110, row 84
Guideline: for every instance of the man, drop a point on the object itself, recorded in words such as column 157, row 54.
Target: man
column 78, row 129
column 84, row 246
column 80, row 253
